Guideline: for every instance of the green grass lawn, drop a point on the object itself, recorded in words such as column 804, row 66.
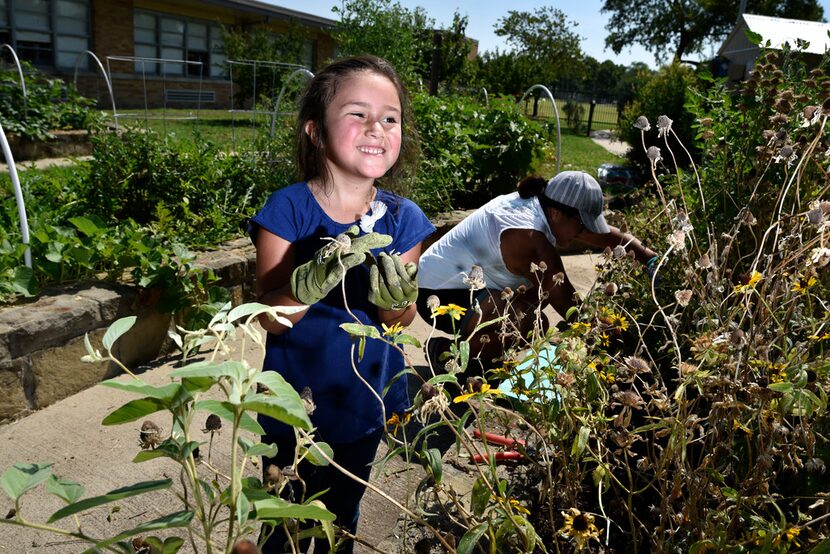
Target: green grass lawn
column 236, row 130
column 579, row 153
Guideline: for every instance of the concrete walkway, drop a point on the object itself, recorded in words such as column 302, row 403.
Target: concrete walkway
column 608, row 140
column 44, row 163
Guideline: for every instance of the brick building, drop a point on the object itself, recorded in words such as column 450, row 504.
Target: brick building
column 55, row 34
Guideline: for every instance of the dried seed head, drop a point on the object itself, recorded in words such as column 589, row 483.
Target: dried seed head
column 150, row 435
column 245, row 546
column 706, row 122
column 474, row 384
column 308, row 401
column 507, row 293
column 737, row 338
column 558, row 279
column 642, row 123
column 475, row 280
column 428, row 391
column 683, row 297
column 704, row 262
column 618, row 252
column 663, row 125
column 611, row 289
column 637, row 364
column 141, row 546
column 653, row 154
column 433, row 302
column 273, row 477
column 815, row 465
column 213, row 423
column 779, row 119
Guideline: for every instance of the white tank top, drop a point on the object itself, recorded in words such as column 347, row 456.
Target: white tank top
column 477, row 241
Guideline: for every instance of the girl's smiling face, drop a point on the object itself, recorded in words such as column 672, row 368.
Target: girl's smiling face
column 363, row 127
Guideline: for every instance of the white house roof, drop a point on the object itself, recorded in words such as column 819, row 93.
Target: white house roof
column 778, row 31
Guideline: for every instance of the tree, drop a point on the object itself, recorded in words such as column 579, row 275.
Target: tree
column 388, row 30
column 543, row 37
column 687, row 26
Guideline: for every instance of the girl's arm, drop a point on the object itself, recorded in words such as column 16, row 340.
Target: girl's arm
column 520, row 248
column 274, row 265
column 405, row 315
column 615, row 238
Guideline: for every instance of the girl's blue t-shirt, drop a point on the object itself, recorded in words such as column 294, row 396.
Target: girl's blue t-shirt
column 318, row 354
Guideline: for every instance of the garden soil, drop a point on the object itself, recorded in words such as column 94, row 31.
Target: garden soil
column 69, row 435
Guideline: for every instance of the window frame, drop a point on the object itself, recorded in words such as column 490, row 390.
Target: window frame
column 212, row 32
column 13, row 30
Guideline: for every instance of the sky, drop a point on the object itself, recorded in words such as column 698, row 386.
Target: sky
column 483, row 15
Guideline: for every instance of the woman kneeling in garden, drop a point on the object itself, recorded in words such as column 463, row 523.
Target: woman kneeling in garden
column 508, row 251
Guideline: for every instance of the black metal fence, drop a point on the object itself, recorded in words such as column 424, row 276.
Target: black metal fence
column 580, row 112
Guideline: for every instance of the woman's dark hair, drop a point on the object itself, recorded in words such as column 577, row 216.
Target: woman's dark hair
column 321, row 90
column 535, row 186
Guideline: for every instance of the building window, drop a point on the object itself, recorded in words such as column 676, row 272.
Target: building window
column 47, row 33
column 175, row 38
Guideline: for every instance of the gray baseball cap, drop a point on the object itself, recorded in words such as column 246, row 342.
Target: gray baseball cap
column 579, row 190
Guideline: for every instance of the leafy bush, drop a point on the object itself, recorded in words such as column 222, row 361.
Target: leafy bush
column 50, row 104
column 196, row 192
column 472, row 152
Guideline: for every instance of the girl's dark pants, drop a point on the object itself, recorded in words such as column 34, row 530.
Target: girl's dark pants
column 343, row 495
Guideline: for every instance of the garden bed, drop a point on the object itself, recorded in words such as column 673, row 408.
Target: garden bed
column 62, row 144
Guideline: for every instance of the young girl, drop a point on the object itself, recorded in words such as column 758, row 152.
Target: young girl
column 351, row 131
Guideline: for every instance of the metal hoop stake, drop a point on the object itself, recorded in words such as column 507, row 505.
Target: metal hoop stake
column 18, row 194
column 556, row 113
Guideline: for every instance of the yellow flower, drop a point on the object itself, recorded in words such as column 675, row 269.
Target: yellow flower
column 518, row 507
column 396, row 421
column 604, row 340
column 392, row 331
column 791, row 533
column 579, row 527
column 802, row 284
column 750, row 285
column 581, row 327
column 484, row 390
column 825, row 336
column 454, row 310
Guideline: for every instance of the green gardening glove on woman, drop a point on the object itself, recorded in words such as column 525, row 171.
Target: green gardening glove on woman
column 313, row 280
column 393, row 285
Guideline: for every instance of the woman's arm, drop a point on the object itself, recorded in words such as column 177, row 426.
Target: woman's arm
column 274, row 265
column 615, row 238
column 405, row 315
column 520, row 248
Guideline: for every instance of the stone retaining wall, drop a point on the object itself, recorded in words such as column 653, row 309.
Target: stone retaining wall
column 41, row 342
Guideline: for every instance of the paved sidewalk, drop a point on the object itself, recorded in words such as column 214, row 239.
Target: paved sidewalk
column 44, row 163
column 69, row 434
column 608, row 140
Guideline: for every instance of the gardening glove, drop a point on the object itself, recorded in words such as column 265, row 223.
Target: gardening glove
column 313, row 280
column 393, row 285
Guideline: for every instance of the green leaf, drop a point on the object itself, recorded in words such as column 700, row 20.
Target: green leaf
column 166, row 392
column 24, row 281
column 170, row 521
column 233, row 369
column 471, row 538
column 112, row 496
column 117, row 329
column 262, row 449
column 407, row 339
column 464, row 352
column 135, row 409
column 286, row 408
column 359, row 330
column 431, row 459
column 753, row 37
column 20, row 478
column 782, row 387
column 85, row 226
column 277, row 508
column 243, row 508
column 171, row 545
column 225, row 411
column 581, row 441
column 313, row 453
column 68, row 491
column 480, row 497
